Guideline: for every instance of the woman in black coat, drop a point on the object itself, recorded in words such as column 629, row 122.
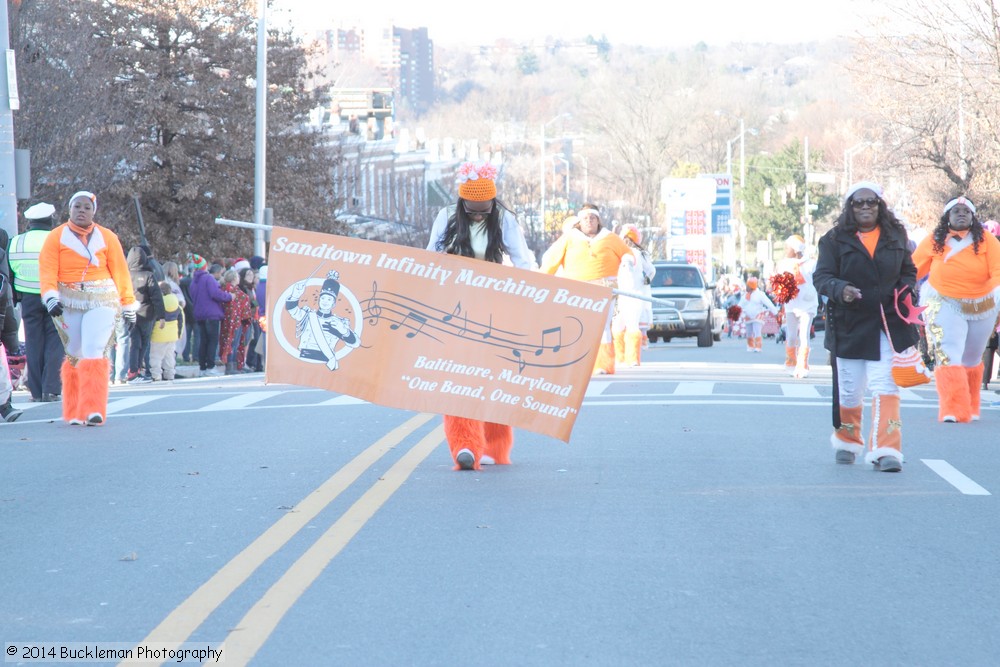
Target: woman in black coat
column 864, row 268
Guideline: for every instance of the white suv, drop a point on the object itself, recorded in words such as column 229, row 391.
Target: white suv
column 690, row 305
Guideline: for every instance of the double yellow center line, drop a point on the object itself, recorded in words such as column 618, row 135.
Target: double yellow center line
column 258, row 624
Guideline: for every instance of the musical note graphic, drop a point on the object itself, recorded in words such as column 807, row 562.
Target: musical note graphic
column 373, row 311
column 410, row 316
column 547, row 332
column 458, row 309
column 489, row 332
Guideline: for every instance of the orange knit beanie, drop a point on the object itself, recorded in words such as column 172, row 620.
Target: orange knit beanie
column 477, row 181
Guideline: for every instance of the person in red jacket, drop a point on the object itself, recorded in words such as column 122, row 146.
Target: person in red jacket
column 86, row 287
column 962, row 295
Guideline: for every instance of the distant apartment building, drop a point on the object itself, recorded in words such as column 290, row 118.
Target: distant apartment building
column 403, row 57
column 414, row 66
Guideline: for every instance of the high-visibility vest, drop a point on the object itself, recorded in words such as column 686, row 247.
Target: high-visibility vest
column 23, row 257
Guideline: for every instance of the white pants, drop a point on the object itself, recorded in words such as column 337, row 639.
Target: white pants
column 6, row 386
column 798, row 323
column 854, row 375
column 88, row 332
column 955, row 340
column 754, row 327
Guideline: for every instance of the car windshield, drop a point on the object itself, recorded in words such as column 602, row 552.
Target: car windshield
column 676, row 277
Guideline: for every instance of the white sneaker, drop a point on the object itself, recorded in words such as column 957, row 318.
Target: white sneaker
column 214, row 371
column 949, row 419
column 486, row 460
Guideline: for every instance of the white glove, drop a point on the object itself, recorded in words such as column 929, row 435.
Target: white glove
column 298, row 289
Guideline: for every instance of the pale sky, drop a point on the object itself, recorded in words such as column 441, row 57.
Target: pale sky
column 673, row 23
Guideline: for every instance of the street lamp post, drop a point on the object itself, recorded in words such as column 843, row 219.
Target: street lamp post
column 586, row 178
column 729, row 154
column 541, row 215
column 562, row 159
column 849, row 162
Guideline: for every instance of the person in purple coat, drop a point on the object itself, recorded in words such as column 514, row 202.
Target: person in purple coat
column 208, row 298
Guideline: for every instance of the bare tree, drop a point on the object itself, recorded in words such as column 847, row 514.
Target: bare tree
column 157, row 100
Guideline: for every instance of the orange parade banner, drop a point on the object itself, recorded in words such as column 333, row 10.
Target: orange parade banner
column 408, row 328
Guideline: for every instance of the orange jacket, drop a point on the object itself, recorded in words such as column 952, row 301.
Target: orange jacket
column 64, row 259
column 586, row 258
column 964, row 275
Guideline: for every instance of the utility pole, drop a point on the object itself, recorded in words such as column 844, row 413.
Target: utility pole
column 9, row 103
column 260, row 143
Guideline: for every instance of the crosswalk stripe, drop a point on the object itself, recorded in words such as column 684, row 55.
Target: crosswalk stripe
column 344, row 400
column 796, row 390
column 240, row 401
column 119, row 404
column 596, row 388
column 694, row 388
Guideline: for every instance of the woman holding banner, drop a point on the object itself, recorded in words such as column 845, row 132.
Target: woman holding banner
column 86, row 287
column 479, row 226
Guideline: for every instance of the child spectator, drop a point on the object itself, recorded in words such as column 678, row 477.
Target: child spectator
column 236, row 311
column 166, row 333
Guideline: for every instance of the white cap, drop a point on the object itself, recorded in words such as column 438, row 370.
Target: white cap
column 39, row 211
column 240, row 265
column 863, row 185
column 87, row 195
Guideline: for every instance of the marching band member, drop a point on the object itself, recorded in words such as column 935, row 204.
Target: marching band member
column 962, row 296
column 86, row 286
column 479, row 226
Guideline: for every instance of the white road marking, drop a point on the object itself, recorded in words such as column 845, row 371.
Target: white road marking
column 798, row 390
column 694, row 388
column 240, row 401
column 955, row 478
column 344, row 400
column 119, row 404
column 596, row 388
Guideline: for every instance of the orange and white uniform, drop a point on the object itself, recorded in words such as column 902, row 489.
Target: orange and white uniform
column 83, row 270
column 592, row 259
column 962, row 299
column 78, row 274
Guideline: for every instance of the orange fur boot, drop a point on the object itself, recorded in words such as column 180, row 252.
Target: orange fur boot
column 847, row 438
column 93, row 404
column 605, row 363
column 887, row 429
column 499, row 440
column 633, row 347
column 975, row 376
column 70, row 393
column 953, row 394
column 466, row 440
column 619, row 338
column 790, row 357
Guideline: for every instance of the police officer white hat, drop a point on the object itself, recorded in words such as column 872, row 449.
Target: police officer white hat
column 39, row 211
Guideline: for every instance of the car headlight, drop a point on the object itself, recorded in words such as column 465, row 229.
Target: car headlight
column 696, row 304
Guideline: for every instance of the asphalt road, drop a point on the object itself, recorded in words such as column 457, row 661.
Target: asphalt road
column 695, row 518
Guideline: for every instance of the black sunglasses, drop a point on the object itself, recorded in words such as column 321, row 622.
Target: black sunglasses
column 472, row 211
column 865, row 203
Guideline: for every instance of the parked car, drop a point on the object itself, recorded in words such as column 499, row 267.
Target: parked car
column 686, row 305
